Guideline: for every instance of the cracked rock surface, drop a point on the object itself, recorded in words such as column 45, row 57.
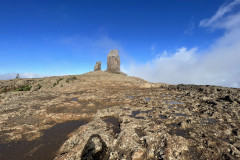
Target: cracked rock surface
column 114, row 116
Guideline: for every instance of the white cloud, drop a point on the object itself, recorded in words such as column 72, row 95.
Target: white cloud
column 22, row 75
column 218, row 65
column 221, row 12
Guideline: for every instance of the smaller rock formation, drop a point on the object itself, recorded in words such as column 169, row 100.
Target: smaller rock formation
column 113, row 61
column 97, row 66
column 17, row 76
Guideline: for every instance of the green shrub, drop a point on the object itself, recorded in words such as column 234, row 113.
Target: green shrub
column 59, row 80
column 23, row 88
column 72, row 78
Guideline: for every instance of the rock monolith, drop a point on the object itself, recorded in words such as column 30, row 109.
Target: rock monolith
column 113, row 61
column 97, row 66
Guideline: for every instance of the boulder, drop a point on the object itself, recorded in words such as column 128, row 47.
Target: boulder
column 97, row 66
column 113, row 61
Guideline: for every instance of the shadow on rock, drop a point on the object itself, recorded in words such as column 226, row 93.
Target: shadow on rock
column 95, row 149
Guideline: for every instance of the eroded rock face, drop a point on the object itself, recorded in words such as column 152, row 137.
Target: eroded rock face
column 97, row 66
column 113, row 61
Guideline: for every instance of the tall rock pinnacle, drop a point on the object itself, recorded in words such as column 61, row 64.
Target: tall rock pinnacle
column 113, row 61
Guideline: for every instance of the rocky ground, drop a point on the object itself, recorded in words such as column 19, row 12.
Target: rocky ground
column 100, row 115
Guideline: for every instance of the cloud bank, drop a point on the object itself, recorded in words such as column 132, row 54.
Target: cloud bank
column 22, row 75
column 218, row 65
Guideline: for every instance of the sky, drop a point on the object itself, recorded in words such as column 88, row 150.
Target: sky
column 169, row 41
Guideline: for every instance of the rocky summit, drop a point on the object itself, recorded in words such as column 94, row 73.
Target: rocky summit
column 101, row 115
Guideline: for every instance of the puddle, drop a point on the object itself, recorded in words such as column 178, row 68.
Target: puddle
column 147, row 99
column 43, row 148
column 135, row 113
column 170, row 107
column 180, row 132
column 174, row 102
column 114, row 122
column 175, row 124
column 131, row 97
column 163, row 116
column 208, row 121
column 179, row 114
column 74, row 99
column 148, row 111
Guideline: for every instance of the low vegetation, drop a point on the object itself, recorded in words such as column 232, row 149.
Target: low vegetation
column 72, row 78
column 23, row 88
column 60, row 79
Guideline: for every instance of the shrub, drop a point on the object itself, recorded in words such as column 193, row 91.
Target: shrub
column 72, row 78
column 23, row 88
column 59, row 80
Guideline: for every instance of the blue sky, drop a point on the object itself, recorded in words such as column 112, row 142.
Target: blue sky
column 59, row 37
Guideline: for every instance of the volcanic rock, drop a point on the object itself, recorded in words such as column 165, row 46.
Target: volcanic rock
column 97, row 66
column 113, row 61
column 119, row 117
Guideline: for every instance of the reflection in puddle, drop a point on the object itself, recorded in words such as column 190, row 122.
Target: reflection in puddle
column 208, row 121
column 179, row 114
column 135, row 113
column 74, row 99
column 173, row 102
column 130, row 97
column 170, row 107
column 42, row 148
column 147, row 99
column 163, row 116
